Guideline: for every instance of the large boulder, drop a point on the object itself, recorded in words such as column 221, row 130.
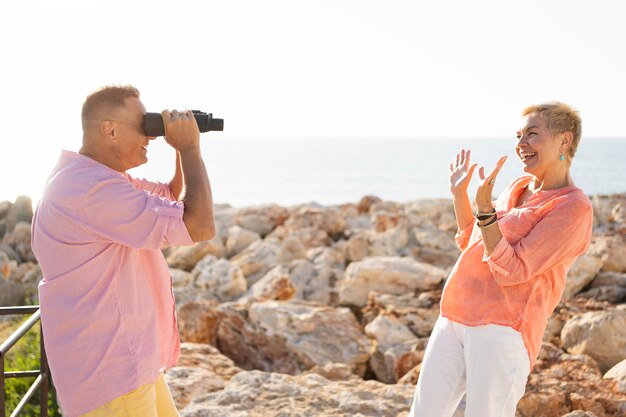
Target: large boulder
column 599, row 334
column 561, row 383
column 239, row 239
column 389, row 275
column 395, row 348
column 219, row 279
column 263, row 394
column 201, row 369
column 257, row 259
column 11, row 293
column 186, row 257
column 261, row 219
column 618, row 374
column 612, row 251
column 291, row 336
column 582, row 272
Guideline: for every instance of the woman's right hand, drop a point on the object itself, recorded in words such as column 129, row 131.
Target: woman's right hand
column 461, row 173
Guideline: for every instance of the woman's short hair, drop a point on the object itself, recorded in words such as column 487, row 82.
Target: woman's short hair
column 560, row 118
column 104, row 102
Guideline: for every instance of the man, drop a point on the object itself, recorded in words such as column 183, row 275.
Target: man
column 107, row 308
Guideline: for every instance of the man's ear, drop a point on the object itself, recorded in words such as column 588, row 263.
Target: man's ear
column 108, row 128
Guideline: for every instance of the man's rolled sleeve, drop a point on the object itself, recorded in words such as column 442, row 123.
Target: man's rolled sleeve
column 116, row 210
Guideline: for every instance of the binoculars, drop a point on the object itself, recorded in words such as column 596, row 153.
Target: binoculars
column 153, row 123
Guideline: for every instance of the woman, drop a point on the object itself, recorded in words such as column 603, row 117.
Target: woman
column 511, row 272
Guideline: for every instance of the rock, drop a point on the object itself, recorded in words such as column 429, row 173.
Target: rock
column 186, row 257
column 10, row 252
column 610, row 279
column 366, row 203
column 417, row 313
column 582, row 272
column 275, row 285
column 434, row 238
column 391, row 242
column 180, row 278
column 11, row 293
column 327, row 219
column 262, row 219
column 30, row 282
column 388, row 275
column 201, row 369
column 6, row 267
column 580, row 413
column 224, row 219
column 327, row 258
column 219, row 279
column 11, row 214
column 186, row 383
column 315, row 281
column 562, row 383
column 618, row 374
column 198, row 355
column 256, row 260
column 19, row 271
column 19, row 240
column 612, row 251
column 198, row 321
column 357, row 247
column 291, row 248
column 23, row 208
column 239, row 239
column 613, row 294
column 291, row 336
column 394, row 344
column 587, row 334
column 333, row 372
column 262, row 394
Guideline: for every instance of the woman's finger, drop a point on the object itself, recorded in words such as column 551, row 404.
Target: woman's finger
column 492, row 176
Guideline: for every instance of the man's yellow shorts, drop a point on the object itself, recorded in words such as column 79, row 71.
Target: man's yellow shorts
column 150, row 400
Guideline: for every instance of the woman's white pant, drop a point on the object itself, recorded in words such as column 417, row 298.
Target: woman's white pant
column 489, row 364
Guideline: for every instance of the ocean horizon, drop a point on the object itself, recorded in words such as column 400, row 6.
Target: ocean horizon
column 249, row 172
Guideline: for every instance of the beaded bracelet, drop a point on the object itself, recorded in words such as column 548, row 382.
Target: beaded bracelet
column 492, row 221
column 485, row 215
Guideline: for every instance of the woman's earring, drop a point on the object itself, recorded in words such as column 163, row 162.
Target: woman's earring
column 562, row 157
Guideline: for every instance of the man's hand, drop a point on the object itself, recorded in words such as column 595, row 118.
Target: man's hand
column 181, row 129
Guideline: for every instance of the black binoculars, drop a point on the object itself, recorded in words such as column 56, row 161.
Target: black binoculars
column 153, row 123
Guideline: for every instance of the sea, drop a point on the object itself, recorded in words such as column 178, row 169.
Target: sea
column 292, row 171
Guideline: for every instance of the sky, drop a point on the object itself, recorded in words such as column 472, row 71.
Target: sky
column 306, row 69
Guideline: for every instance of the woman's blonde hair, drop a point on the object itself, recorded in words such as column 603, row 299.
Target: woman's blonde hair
column 560, row 118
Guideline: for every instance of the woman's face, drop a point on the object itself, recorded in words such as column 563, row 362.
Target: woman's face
column 537, row 148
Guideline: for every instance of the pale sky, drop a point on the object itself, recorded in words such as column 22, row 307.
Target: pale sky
column 319, row 68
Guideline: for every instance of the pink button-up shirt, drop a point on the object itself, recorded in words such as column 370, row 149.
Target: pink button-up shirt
column 107, row 307
column 523, row 280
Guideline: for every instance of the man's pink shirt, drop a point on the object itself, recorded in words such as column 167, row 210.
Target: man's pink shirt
column 522, row 282
column 107, row 307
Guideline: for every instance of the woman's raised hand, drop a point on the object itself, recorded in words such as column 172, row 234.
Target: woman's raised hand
column 484, row 190
column 461, row 173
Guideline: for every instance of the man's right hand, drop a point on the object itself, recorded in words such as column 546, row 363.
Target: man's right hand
column 181, row 129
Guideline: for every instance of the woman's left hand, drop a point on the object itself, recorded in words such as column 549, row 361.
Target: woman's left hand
column 485, row 189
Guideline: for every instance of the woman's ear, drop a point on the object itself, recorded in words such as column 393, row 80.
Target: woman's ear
column 566, row 141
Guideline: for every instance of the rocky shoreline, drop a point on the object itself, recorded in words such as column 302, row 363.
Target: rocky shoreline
column 317, row 310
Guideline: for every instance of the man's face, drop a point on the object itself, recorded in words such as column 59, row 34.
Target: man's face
column 132, row 143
